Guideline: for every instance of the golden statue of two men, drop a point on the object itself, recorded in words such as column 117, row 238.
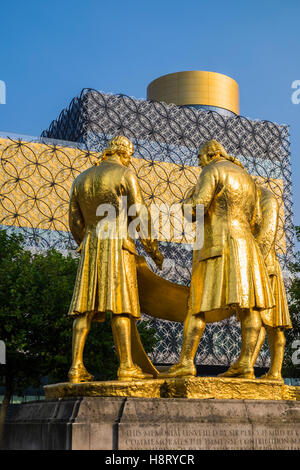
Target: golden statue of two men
column 235, row 272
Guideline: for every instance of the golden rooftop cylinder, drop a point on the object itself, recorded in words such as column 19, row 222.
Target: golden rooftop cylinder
column 196, row 88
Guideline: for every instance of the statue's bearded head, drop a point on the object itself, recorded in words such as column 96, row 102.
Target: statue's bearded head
column 210, row 150
column 120, row 146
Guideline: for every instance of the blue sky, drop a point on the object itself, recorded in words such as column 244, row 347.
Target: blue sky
column 51, row 49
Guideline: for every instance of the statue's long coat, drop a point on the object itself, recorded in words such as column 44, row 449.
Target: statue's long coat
column 266, row 236
column 106, row 278
column 229, row 270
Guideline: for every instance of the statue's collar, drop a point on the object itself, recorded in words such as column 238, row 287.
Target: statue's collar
column 217, row 159
column 113, row 159
column 110, row 159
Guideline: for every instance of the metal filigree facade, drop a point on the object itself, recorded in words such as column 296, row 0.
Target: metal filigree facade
column 169, row 134
column 36, row 179
column 172, row 134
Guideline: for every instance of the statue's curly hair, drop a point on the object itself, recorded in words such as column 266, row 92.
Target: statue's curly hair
column 212, row 148
column 119, row 144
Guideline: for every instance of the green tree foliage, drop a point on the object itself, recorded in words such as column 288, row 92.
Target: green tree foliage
column 290, row 368
column 35, row 294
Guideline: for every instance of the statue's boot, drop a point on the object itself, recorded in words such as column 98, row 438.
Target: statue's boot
column 239, row 372
column 231, row 372
column 79, row 374
column 132, row 373
column 273, row 377
column 180, row 370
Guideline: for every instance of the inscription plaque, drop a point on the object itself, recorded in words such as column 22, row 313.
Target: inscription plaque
column 208, row 437
column 181, row 424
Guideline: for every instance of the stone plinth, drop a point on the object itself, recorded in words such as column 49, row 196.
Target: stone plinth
column 164, row 414
column 119, row 423
column 184, row 424
column 63, row 424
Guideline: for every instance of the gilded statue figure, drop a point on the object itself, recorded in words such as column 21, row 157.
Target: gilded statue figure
column 107, row 275
column 229, row 275
column 265, row 235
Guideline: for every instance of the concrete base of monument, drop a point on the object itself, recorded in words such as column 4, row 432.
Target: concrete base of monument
column 196, row 387
column 128, row 423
